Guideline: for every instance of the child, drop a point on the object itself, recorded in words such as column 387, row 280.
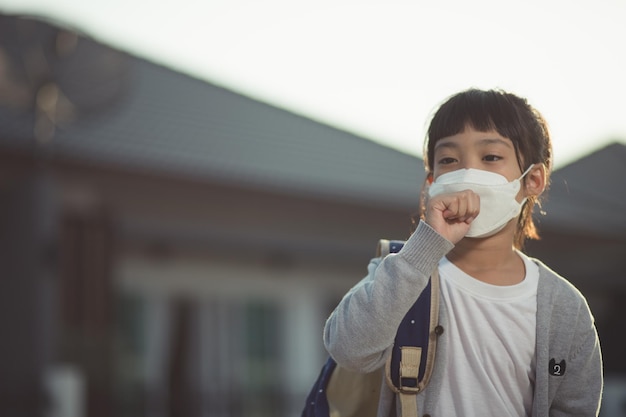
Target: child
column 517, row 340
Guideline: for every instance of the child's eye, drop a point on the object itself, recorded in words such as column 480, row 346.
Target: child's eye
column 492, row 158
column 446, row 161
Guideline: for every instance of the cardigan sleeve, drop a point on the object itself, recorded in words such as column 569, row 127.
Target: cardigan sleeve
column 361, row 329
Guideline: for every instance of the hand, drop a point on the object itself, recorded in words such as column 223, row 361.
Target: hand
column 451, row 214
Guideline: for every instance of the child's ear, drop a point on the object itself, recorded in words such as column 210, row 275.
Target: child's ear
column 535, row 182
column 429, row 178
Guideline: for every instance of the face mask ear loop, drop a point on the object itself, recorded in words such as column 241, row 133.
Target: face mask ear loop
column 526, row 172
column 525, row 199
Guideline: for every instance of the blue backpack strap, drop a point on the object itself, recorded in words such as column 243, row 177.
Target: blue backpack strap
column 415, row 330
column 412, row 358
column 411, row 363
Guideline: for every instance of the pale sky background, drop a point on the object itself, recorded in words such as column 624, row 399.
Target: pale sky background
column 379, row 68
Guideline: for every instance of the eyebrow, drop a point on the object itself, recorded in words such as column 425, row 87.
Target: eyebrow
column 494, row 141
column 445, row 144
column 481, row 142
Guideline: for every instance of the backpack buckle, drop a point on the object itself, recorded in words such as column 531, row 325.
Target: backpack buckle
column 410, row 358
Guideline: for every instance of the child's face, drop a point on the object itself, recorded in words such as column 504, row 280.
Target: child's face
column 488, row 151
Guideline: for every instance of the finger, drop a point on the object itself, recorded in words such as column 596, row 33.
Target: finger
column 469, row 205
column 473, row 206
column 451, row 204
column 461, row 205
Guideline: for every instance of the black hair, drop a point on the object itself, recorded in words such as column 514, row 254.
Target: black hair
column 509, row 115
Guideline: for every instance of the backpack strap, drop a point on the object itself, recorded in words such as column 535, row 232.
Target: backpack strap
column 385, row 247
column 410, row 365
column 407, row 370
column 413, row 363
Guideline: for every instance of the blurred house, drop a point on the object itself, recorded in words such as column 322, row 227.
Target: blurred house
column 172, row 248
column 195, row 239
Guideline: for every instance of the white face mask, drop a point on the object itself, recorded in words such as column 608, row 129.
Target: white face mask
column 497, row 197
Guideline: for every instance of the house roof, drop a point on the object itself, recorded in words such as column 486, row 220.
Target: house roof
column 143, row 116
column 588, row 196
column 167, row 122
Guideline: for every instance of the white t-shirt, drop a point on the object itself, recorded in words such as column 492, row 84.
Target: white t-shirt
column 491, row 344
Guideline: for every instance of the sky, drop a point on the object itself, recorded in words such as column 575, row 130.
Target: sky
column 380, row 68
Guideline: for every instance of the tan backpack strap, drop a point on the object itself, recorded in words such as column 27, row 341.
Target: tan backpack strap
column 385, row 247
column 411, row 356
column 409, row 368
column 382, row 249
column 408, row 405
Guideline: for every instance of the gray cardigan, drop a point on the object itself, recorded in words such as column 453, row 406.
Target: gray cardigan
column 360, row 332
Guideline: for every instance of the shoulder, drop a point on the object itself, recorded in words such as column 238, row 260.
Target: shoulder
column 560, row 296
column 551, row 281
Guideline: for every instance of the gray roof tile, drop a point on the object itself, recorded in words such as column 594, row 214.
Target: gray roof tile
column 171, row 123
